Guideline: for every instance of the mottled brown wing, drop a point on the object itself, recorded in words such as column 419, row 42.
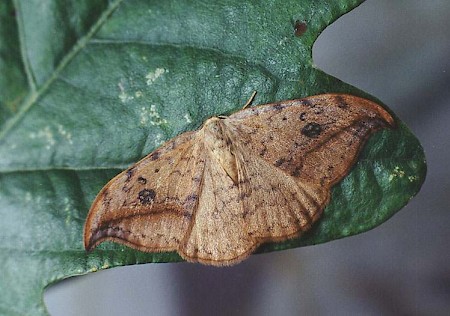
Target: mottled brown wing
column 289, row 155
column 217, row 235
column 274, row 205
column 316, row 139
column 149, row 206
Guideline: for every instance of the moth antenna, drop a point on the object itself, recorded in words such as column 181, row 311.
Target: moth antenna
column 252, row 97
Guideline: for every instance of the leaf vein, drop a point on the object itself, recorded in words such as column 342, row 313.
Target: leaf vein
column 35, row 94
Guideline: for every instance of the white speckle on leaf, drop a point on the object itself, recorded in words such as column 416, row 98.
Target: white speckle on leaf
column 412, row 178
column 138, row 94
column 152, row 116
column 283, row 41
column 123, row 96
column 397, row 173
column 153, row 75
column 45, row 134
column 158, row 139
column 187, row 117
column 67, row 135
column 105, row 266
column 143, row 115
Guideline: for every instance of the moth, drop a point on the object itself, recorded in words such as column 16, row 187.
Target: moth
column 262, row 174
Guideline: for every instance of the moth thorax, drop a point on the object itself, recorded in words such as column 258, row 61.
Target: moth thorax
column 219, row 144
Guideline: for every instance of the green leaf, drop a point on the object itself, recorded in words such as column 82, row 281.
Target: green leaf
column 89, row 87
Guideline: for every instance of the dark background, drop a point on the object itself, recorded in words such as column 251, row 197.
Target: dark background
column 398, row 51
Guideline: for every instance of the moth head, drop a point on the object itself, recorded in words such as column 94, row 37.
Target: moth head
column 213, row 128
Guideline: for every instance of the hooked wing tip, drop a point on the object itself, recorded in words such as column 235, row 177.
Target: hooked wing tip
column 91, row 240
column 383, row 114
column 93, row 237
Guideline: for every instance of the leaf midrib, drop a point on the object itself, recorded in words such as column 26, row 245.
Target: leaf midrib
column 36, row 94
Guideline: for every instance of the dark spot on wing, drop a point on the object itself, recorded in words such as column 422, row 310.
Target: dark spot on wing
column 279, row 162
column 300, row 28
column 154, row 155
column 318, row 110
column 142, row 180
column 311, row 130
column 129, row 174
column 341, row 102
column 306, row 102
column 263, row 151
column 296, row 172
column 156, row 170
column 146, row 196
column 187, row 215
column 302, row 116
column 278, row 106
column 126, row 188
column 192, row 197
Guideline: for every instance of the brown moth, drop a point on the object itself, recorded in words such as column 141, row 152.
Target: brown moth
column 262, row 174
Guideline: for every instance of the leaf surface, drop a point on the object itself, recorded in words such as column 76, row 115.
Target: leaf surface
column 90, row 87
